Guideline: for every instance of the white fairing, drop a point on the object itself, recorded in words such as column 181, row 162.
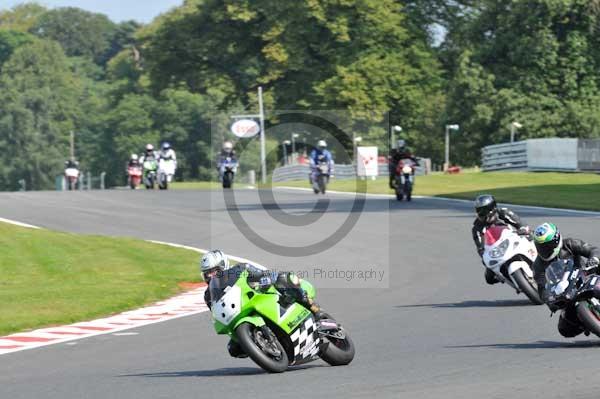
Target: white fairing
column 494, row 259
column 229, row 306
column 71, row 172
column 166, row 167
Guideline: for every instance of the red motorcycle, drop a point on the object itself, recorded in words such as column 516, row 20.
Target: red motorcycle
column 405, row 179
column 134, row 176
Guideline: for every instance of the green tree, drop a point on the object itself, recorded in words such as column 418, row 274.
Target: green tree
column 39, row 96
column 79, row 32
column 10, row 40
column 21, row 17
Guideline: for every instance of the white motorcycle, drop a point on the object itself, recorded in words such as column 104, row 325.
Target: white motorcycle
column 166, row 171
column 71, row 178
column 510, row 256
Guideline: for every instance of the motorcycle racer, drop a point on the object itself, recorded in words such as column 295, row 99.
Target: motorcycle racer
column 167, row 153
column 320, row 155
column 551, row 246
column 396, row 155
column 215, row 262
column 488, row 214
column 149, row 154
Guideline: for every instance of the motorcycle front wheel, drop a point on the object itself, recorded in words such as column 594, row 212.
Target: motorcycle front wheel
column 408, row 190
column 264, row 349
column 526, row 287
column 323, row 184
column 589, row 317
column 227, row 179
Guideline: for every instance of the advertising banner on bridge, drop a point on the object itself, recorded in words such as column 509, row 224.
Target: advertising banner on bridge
column 367, row 164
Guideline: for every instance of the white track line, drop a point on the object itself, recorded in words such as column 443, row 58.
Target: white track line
column 445, row 199
column 185, row 304
column 29, row 226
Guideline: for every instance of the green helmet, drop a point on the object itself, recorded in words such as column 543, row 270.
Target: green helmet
column 548, row 241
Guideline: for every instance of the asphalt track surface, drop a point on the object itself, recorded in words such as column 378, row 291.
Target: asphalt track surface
column 437, row 330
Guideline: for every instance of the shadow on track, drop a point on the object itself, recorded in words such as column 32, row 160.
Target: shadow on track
column 474, row 304
column 222, row 372
column 534, row 345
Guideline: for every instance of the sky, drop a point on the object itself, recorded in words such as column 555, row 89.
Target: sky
column 117, row 10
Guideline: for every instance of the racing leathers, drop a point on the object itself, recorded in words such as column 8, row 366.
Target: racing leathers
column 504, row 216
column 168, row 155
column 288, row 284
column 318, row 156
column 568, row 324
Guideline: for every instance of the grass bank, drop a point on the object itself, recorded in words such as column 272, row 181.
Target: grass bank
column 49, row 278
column 558, row 190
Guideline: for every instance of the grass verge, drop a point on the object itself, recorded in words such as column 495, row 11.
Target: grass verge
column 557, row 190
column 51, row 278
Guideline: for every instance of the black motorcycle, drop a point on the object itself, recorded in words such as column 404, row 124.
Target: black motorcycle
column 567, row 286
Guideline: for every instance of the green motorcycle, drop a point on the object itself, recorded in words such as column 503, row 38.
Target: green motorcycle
column 150, row 168
column 272, row 330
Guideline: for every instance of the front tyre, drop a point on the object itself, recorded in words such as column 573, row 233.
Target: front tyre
column 322, row 184
column 408, row 190
column 526, row 287
column 264, row 349
column 589, row 317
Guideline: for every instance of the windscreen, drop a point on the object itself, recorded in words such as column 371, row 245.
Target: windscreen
column 220, row 282
column 556, row 271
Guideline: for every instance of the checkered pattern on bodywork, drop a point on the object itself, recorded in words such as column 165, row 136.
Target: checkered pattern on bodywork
column 306, row 341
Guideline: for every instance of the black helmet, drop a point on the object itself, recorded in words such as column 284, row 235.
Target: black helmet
column 486, row 208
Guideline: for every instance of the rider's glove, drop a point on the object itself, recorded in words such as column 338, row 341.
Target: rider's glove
column 592, row 263
column 524, row 231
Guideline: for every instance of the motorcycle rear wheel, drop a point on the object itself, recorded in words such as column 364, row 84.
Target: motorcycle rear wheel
column 248, row 335
column 588, row 317
column 338, row 352
column 526, row 287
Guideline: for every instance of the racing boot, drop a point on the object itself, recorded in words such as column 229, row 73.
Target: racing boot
column 235, row 350
column 490, row 277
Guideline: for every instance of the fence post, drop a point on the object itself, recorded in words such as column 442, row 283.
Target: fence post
column 81, row 180
column 23, row 185
column 252, row 177
column 102, row 177
column 89, row 181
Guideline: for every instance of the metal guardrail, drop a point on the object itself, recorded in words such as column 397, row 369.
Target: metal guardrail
column 505, row 156
column 548, row 154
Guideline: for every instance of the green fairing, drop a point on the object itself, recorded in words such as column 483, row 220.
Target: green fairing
column 257, row 307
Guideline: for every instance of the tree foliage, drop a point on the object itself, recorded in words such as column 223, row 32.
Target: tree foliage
column 417, row 63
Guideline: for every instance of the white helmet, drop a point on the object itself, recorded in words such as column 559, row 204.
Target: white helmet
column 322, row 144
column 213, row 261
column 134, row 157
column 228, row 146
column 149, row 147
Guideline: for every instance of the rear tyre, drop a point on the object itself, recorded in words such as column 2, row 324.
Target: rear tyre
column 261, row 349
column 526, row 287
column 589, row 317
column 339, row 352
